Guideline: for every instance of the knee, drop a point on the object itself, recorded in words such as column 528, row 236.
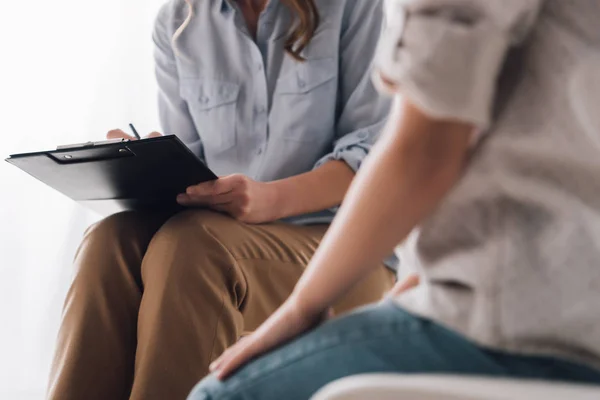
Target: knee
column 115, row 228
column 210, row 388
column 106, row 244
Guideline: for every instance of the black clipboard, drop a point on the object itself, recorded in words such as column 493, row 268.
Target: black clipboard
column 118, row 175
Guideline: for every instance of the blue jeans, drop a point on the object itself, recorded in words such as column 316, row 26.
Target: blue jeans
column 380, row 338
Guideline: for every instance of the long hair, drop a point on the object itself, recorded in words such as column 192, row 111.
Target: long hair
column 307, row 21
column 306, row 16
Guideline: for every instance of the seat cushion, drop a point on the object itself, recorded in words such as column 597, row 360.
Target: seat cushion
column 430, row 387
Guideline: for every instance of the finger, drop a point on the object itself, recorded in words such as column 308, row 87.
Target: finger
column 201, row 189
column 388, row 84
column 279, row 328
column 235, row 182
column 218, row 362
column 191, row 201
column 225, row 199
column 406, row 284
column 235, row 361
column 184, row 200
column 224, row 185
column 225, row 357
column 212, row 189
column 286, row 323
column 154, row 135
column 224, row 202
column 227, row 354
column 330, row 313
column 214, row 366
column 118, row 134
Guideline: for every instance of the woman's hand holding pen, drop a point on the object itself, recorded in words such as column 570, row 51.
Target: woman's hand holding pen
column 237, row 195
column 120, row 134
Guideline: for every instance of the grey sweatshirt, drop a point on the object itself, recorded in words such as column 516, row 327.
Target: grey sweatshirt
column 511, row 258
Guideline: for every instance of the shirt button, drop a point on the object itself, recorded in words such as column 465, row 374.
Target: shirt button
column 260, row 151
column 261, row 109
column 204, row 99
column 260, row 67
column 301, row 83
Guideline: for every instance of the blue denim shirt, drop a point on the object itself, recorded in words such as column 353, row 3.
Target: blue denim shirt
column 245, row 106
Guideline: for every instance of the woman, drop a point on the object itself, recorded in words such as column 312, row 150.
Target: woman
column 498, row 212
column 275, row 96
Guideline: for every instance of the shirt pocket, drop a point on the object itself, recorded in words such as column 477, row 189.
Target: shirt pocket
column 310, row 90
column 213, row 107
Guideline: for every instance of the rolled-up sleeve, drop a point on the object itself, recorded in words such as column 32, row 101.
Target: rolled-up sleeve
column 362, row 111
column 173, row 111
column 445, row 55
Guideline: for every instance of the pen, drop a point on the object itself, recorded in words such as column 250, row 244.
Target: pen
column 137, row 135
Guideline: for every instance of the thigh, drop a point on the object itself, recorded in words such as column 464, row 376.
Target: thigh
column 380, row 338
column 254, row 266
column 259, row 264
column 273, row 257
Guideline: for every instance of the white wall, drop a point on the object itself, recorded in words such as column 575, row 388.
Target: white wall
column 69, row 71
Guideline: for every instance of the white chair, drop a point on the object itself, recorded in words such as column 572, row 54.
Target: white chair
column 435, row 387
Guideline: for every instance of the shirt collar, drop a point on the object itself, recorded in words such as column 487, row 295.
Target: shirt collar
column 226, row 5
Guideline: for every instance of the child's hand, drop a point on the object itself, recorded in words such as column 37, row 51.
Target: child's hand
column 286, row 323
column 405, row 284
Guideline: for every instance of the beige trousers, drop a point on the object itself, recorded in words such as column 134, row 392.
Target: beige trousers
column 156, row 298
